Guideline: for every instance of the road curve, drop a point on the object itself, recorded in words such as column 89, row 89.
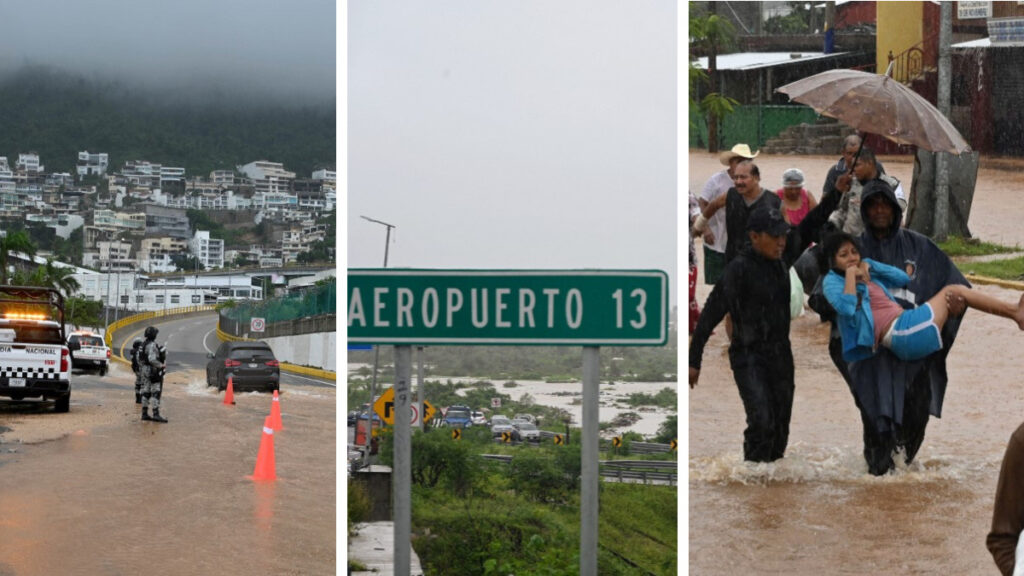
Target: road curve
column 188, row 341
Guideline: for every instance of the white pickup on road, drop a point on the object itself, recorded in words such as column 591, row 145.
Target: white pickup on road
column 34, row 359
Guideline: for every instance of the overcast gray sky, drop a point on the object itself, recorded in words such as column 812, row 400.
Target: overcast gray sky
column 276, row 47
column 528, row 134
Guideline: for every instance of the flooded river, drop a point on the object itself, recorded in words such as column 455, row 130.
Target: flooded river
column 818, row 511
column 116, row 496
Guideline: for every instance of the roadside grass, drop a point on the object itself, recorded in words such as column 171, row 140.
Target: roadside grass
column 961, row 250
column 496, row 532
column 956, row 247
column 1009, row 269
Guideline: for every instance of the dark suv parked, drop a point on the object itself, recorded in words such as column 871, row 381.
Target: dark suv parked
column 251, row 365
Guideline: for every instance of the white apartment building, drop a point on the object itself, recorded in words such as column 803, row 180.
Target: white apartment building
column 327, row 175
column 92, row 164
column 110, row 256
column 268, row 177
column 223, row 177
column 169, row 174
column 209, row 251
column 125, row 221
column 29, row 163
column 155, row 253
column 63, row 224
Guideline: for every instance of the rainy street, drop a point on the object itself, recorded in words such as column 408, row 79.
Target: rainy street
column 818, row 511
column 96, row 491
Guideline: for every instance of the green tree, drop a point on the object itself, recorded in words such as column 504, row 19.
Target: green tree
column 709, row 35
column 82, row 312
column 319, row 251
column 669, row 430
column 60, row 277
column 187, row 262
column 14, row 241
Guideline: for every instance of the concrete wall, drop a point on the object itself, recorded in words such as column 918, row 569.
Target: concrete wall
column 317, row 349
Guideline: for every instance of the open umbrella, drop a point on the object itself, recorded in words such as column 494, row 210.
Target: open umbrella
column 877, row 104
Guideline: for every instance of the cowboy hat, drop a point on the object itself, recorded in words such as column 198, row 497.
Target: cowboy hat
column 740, row 150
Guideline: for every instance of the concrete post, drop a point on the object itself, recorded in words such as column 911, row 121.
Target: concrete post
column 402, row 473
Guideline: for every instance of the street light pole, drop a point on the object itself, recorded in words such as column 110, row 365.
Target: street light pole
column 376, row 348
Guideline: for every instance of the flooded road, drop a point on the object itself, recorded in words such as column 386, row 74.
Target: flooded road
column 96, row 491
column 818, row 511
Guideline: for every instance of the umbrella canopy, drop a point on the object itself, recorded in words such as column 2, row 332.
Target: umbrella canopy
column 877, row 104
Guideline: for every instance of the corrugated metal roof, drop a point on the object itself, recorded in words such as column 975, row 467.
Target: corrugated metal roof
column 755, row 60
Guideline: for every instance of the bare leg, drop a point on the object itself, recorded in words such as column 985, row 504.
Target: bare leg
column 978, row 301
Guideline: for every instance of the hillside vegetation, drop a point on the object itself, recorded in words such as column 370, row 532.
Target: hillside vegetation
column 57, row 114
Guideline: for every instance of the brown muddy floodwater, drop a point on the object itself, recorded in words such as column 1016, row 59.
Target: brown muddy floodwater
column 818, row 511
column 116, row 496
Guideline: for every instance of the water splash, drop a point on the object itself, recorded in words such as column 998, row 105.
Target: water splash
column 804, row 465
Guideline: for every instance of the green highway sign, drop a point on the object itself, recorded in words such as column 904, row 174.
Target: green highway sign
column 503, row 307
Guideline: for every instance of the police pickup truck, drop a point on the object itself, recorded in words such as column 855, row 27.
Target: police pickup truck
column 34, row 359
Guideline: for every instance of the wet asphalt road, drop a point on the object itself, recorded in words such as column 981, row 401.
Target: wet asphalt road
column 97, row 492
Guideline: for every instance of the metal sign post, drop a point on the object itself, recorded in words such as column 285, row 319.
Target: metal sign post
column 402, row 472
column 589, row 477
column 585, row 308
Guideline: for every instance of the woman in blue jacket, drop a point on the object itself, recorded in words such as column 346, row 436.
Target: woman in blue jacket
column 869, row 316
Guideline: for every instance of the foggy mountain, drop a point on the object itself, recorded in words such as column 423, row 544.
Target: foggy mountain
column 57, row 113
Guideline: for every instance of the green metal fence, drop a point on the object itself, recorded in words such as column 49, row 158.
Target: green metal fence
column 318, row 301
column 752, row 125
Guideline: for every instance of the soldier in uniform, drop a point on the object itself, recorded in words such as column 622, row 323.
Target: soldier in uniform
column 152, row 376
column 137, row 369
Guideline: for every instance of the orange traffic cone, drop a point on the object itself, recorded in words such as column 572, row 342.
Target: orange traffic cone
column 265, row 458
column 275, row 413
column 229, row 394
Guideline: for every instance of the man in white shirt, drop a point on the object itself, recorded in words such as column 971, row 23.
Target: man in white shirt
column 713, row 228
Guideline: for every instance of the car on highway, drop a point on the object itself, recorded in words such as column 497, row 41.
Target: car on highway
column 527, row 430
column 251, row 365
column 88, row 352
column 528, row 417
column 458, row 417
column 478, row 418
column 501, row 424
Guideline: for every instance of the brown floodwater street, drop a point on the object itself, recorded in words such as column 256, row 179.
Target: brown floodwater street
column 98, row 492
column 818, row 511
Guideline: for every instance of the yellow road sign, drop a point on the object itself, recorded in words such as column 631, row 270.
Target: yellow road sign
column 456, row 434
column 558, row 439
column 617, row 441
column 385, row 408
column 674, row 444
column 506, row 437
column 429, row 410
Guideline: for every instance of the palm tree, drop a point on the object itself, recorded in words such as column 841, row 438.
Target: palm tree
column 15, row 241
column 60, row 277
column 49, row 275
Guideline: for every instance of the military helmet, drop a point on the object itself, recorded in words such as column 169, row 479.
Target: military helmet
column 136, row 343
column 151, row 332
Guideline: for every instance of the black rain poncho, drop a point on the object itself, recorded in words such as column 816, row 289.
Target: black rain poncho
column 885, row 388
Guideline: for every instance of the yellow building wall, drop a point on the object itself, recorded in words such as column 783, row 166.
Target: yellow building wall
column 900, row 26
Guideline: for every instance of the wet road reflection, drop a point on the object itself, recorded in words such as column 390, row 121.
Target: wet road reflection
column 114, row 495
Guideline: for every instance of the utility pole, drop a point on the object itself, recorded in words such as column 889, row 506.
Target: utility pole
column 376, row 347
column 941, row 158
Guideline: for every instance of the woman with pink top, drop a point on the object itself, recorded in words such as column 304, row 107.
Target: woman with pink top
column 796, row 201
